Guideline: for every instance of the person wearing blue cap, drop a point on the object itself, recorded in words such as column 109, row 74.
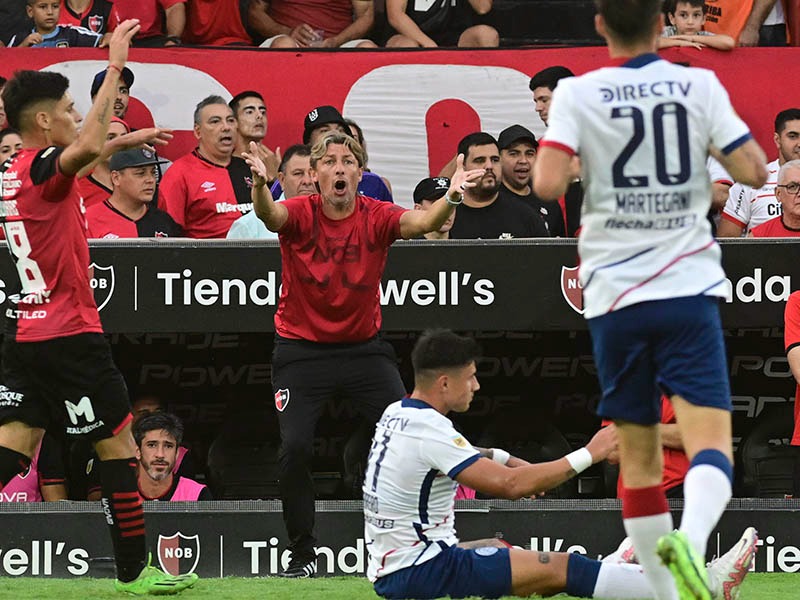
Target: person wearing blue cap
column 123, row 94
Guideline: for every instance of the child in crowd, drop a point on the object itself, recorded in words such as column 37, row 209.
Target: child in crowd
column 686, row 19
column 47, row 33
column 98, row 16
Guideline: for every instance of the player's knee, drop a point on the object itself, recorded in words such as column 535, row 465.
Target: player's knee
column 480, row 36
column 401, row 41
column 284, row 41
column 542, row 573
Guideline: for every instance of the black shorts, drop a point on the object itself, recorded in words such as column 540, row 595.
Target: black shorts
column 71, row 381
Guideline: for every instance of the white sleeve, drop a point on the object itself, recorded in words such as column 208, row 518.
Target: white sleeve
column 737, row 207
column 563, row 127
column 449, row 452
column 717, row 172
column 727, row 129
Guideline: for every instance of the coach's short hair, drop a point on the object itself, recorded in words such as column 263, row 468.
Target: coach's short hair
column 790, row 114
column 156, row 422
column 550, row 77
column 479, row 138
column 237, row 99
column 207, row 101
column 630, row 20
column 336, row 137
column 26, row 88
column 441, row 349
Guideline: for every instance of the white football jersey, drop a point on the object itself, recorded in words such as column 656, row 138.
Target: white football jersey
column 748, row 207
column 717, row 172
column 642, row 131
column 409, row 486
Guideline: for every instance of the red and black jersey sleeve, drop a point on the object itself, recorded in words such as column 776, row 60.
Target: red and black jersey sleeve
column 46, row 174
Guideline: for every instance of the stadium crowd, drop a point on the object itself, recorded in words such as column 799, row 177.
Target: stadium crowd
column 129, row 191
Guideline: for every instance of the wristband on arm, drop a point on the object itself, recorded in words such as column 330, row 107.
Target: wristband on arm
column 580, row 460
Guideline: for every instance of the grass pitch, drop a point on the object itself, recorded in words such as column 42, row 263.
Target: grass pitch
column 757, row 586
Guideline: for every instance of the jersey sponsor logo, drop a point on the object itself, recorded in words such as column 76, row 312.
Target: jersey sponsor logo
column 83, row 409
column 208, row 186
column 102, row 283
column 178, row 554
column 281, row 399
column 571, row 288
column 9, row 399
column 460, row 441
column 487, row 551
column 96, row 23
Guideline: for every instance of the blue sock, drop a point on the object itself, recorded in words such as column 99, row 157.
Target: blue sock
column 714, row 458
column 582, row 575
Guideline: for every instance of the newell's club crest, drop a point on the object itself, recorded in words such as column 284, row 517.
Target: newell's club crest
column 178, row 554
column 102, row 284
column 96, row 23
column 571, row 288
column 281, row 399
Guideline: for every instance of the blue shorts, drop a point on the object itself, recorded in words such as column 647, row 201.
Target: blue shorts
column 672, row 346
column 454, row 572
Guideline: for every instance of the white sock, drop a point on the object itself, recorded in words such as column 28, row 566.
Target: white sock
column 622, row 581
column 645, row 532
column 706, row 491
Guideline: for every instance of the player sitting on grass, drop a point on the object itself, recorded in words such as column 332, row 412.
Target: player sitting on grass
column 416, row 459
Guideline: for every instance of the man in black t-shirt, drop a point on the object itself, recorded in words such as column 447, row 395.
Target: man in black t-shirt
column 517, row 154
column 484, row 214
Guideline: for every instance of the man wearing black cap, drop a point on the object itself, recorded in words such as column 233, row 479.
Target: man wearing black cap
column 128, row 213
column 517, row 154
column 428, row 191
column 485, row 214
column 123, row 91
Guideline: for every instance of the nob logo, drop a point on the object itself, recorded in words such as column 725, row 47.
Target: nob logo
column 102, row 283
column 571, row 288
column 178, row 554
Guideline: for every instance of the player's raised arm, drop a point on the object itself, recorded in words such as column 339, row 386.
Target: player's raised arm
column 272, row 213
column 746, row 164
column 92, row 137
column 552, row 173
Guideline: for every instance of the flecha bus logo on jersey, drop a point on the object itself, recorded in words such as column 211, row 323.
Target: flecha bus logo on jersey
column 281, row 399
column 571, row 288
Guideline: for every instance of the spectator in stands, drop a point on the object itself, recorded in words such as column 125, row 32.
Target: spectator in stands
column 484, row 213
column 517, row 154
column 216, row 23
column 787, row 190
column 156, row 31
column 686, row 19
column 542, row 85
column 746, row 207
column 96, row 186
column 251, row 126
column 198, row 190
column 128, row 212
column 435, row 24
column 313, row 23
column 10, row 143
column 123, row 95
column 427, row 192
column 791, row 341
column 47, row 33
column 98, row 16
column 158, row 437
column 295, row 178
column 44, row 480
column 749, row 22
column 13, row 18
column 358, row 135
column 322, row 120
column 334, row 246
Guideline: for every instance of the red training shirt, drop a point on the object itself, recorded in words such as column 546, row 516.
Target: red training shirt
column 46, row 231
column 774, row 228
column 331, row 16
column 92, row 191
column 215, row 23
column 199, row 195
column 791, row 338
column 332, row 270
column 148, row 12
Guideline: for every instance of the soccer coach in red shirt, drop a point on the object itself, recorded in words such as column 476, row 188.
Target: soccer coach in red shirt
column 333, row 251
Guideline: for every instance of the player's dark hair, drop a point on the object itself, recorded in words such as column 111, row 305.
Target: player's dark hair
column 26, row 88
column 156, row 422
column 359, row 138
column 550, row 77
column 790, row 114
column 670, row 6
column 8, row 131
column 292, row 151
column 207, row 101
column 630, row 21
column 2, row 81
column 237, row 99
column 479, row 138
column 440, row 349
